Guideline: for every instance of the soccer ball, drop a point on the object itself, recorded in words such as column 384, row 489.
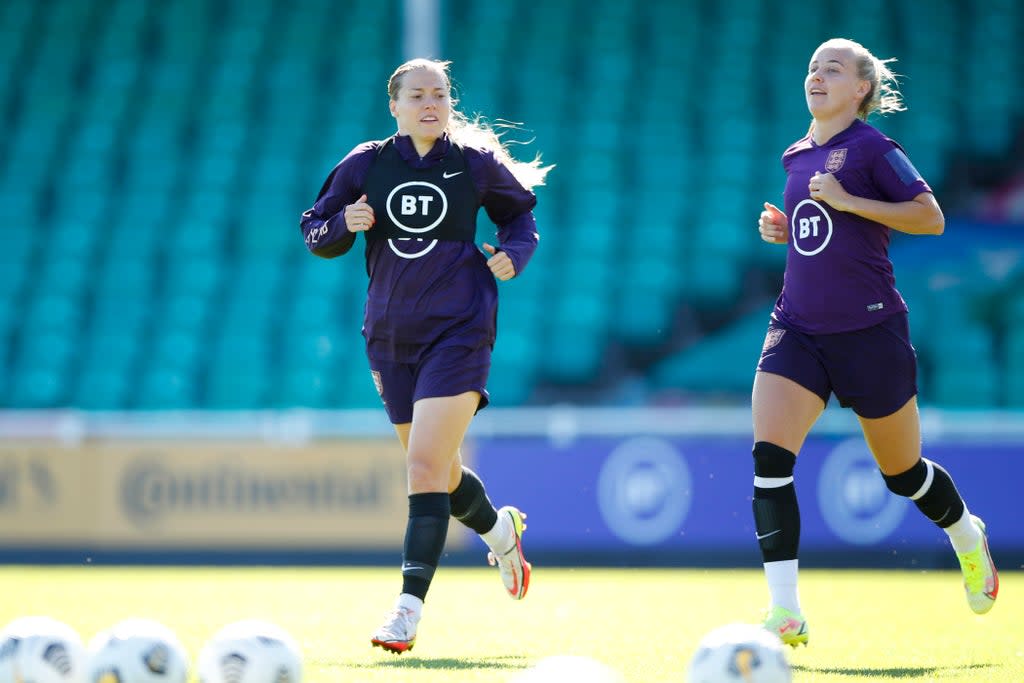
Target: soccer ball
column 743, row 653
column 41, row 650
column 137, row 651
column 250, row 651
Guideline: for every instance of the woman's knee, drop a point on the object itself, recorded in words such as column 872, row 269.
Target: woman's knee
column 783, row 411
column 427, row 473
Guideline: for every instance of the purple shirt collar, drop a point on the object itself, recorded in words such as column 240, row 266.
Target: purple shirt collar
column 407, row 150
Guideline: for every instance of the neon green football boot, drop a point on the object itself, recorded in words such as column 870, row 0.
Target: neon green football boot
column 790, row 627
column 515, row 570
column 981, row 582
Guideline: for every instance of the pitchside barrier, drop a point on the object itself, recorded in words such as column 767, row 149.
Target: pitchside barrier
column 600, row 486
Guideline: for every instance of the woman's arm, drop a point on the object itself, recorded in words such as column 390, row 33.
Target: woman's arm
column 323, row 225
column 919, row 216
column 509, row 206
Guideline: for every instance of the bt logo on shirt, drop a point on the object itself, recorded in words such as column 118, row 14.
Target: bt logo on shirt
column 811, row 227
column 411, row 202
column 416, row 207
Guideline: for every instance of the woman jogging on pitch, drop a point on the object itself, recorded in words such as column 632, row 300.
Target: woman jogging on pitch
column 431, row 309
column 839, row 325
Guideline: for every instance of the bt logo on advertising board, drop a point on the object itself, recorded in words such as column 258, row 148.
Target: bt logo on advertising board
column 644, row 490
column 855, row 502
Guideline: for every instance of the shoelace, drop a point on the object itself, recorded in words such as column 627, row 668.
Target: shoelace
column 493, row 559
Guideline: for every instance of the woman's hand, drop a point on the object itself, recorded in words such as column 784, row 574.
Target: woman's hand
column 359, row 216
column 499, row 263
column 772, row 225
column 824, row 187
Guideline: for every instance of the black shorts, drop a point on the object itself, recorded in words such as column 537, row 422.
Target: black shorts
column 873, row 370
column 440, row 371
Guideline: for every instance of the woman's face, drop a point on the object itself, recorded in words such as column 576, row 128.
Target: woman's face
column 832, row 86
column 423, row 105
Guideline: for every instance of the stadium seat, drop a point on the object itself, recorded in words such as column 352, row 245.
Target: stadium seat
column 52, row 311
column 106, row 348
column 237, row 375
column 352, row 386
column 123, row 275
column 176, row 350
column 161, row 388
column 513, row 369
column 302, row 388
column 309, row 311
column 237, row 388
column 10, row 314
column 1013, row 353
column 185, row 313
column 976, row 385
column 16, row 213
column 722, row 364
column 102, row 389
column 196, row 275
column 573, row 354
column 37, row 387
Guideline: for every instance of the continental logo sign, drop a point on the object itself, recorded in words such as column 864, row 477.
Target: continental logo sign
column 349, row 494
column 152, row 492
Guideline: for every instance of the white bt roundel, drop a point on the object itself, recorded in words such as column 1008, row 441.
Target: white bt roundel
column 416, row 207
column 811, row 227
column 855, row 502
column 644, row 490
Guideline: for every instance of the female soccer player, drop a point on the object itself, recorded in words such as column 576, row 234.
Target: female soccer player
column 431, row 309
column 839, row 325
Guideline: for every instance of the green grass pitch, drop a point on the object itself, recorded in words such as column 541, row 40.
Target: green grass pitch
column 865, row 625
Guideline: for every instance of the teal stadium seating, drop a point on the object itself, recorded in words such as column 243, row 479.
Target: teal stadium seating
column 157, row 156
column 1013, row 353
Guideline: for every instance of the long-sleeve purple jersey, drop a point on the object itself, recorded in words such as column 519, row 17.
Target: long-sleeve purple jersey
column 423, row 290
column 838, row 273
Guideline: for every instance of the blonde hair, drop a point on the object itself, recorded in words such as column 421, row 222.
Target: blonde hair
column 474, row 132
column 884, row 96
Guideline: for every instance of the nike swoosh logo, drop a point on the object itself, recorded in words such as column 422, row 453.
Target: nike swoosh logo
column 770, row 533
column 447, row 175
column 411, row 568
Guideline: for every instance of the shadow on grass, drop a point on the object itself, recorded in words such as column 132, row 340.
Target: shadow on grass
column 888, row 672
column 501, row 663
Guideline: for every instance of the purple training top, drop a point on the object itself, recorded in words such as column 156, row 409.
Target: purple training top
column 419, row 294
column 838, row 273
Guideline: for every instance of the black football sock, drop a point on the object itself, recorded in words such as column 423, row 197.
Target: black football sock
column 776, row 511
column 470, row 504
column 425, row 536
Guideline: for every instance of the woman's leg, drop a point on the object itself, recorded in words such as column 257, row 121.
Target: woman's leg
column 895, row 442
column 432, row 442
column 783, row 413
column 466, row 494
